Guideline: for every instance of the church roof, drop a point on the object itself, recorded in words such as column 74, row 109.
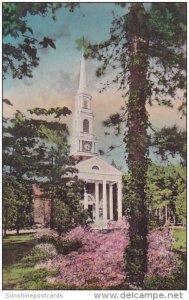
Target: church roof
column 97, row 165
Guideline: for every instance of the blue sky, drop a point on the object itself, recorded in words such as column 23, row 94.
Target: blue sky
column 55, row 81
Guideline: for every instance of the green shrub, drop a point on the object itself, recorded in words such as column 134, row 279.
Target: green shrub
column 47, row 239
column 34, row 256
column 48, row 248
column 63, row 246
column 66, row 246
column 176, row 281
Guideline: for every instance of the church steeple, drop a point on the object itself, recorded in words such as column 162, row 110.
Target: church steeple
column 84, row 141
column 82, row 76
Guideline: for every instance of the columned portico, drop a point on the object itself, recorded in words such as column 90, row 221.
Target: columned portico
column 103, row 191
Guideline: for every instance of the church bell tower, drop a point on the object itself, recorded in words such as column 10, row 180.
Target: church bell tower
column 84, row 144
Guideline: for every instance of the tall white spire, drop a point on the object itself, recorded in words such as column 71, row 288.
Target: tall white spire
column 82, row 77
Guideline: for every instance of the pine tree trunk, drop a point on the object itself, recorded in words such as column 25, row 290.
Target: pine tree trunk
column 4, row 231
column 5, row 218
column 137, row 147
column 17, row 222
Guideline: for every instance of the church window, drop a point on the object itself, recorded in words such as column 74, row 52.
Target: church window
column 85, row 104
column 86, row 125
column 95, row 168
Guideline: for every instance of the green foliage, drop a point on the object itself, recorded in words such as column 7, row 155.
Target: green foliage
column 167, row 23
column 29, row 143
column 66, row 210
column 176, row 281
column 34, row 256
column 63, row 246
column 36, row 148
column 57, row 112
column 180, row 206
column 170, row 141
column 166, row 187
column 21, row 52
column 165, row 30
column 28, row 156
column 82, row 44
column 7, row 101
column 17, row 204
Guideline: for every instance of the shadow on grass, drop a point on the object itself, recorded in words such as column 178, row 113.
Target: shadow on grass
column 181, row 254
column 15, row 247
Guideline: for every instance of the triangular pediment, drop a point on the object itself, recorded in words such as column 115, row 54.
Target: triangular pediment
column 98, row 166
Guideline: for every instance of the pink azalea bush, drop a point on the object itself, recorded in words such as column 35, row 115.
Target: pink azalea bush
column 161, row 259
column 100, row 260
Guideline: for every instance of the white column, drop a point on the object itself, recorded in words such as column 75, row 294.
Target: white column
column 111, row 202
column 85, row 199
column 97, row 200
column 104, row 201
column 79, row 145
column 119, row 199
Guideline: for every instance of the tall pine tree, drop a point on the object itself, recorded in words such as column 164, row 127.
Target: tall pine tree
column 146, row 50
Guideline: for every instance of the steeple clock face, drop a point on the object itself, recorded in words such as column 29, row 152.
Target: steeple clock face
column 86, row 146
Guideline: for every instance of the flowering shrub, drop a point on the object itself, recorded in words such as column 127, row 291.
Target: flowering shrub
column 62, row 245
column 48, row 249
column 99, row 261
column 45, row 232
column 161, row 260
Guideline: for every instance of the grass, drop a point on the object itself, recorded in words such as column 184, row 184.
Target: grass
column 18, row 265
column 16, row 247
column 179, row 235
column 180, row 249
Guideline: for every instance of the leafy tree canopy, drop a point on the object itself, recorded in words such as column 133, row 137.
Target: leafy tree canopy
column 31, row 144
column 20, row 45
column 35, row 150
column 170, row 141
column 165, row 30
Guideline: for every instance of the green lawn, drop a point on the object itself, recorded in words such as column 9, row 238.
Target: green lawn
column 18, row 264
column 179, row 235
column 16, row 247
column 180, row 249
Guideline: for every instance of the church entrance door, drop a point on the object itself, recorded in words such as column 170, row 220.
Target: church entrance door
column 90, row 211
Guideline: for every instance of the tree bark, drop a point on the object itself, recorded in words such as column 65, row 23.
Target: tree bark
column 137, row 146
column 4, row 231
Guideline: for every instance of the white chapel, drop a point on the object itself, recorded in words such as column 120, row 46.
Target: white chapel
column 103, row 188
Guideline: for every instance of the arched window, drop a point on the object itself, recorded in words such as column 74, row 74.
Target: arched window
column 95, row 168
column 85, row 125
